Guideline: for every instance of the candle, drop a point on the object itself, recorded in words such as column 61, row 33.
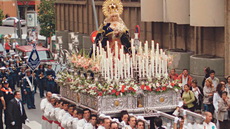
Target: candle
column 140, row 48
column 94, row 48
column 139, row 65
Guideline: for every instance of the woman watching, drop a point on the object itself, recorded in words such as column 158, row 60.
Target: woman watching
column 188, row 98
column 223, row 111
column 208, row 96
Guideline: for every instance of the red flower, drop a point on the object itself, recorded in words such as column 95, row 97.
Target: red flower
column 148, row 88
column 113, row 91
column 117, row 93
column 100, row 93
column 172, row 84
column 131, row 89
column 142, row 87
column 123, row 88
column 163, row 88
column 158, row 89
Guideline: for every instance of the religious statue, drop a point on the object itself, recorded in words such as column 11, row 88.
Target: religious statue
column 113, row 28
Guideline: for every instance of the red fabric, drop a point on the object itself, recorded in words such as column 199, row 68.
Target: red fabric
column 174, row 77
column 7, row 46
column 189, row 79
column 56, row 122
column 44, row 118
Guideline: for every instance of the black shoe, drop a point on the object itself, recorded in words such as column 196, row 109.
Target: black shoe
column 29, row 108
column 33, row 107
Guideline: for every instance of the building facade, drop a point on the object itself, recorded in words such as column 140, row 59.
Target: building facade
column 9, row 7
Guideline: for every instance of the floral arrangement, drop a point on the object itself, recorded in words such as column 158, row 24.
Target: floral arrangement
column 82, row 85
column 160, row 84
column 84, row 63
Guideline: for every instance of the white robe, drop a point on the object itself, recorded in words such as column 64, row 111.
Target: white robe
column 81, row 123
column 54, row 117
column 101, row 127
column 48, row 109
column 89, row 126
column 65, row 119
column 43, row 104
column 74, row 123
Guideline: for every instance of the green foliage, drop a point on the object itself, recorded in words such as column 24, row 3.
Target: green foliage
column 1, row 16
column 46, row 18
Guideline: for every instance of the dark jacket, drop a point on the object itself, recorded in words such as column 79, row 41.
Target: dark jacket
column 14, row 112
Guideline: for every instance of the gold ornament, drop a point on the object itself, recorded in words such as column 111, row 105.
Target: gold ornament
column 112, row 7
column 162, row 99
column 116, row 103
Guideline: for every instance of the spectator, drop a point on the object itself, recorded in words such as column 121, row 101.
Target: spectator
column 185, row 78
column 14, row 45
column 2, row 106
column 216, row 97
column 198, row 92
column 207, row 72
column 16, row 112
column 228, row 85
column 223, row 110
column 215, row 80
column 7, row 46
column 158, row 123
column 188, row 98
column 208, row 96
column 207, row 124
column 8, row 95
column 173, row 75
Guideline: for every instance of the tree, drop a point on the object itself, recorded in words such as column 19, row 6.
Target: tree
column 1, row 16
column 46, row 18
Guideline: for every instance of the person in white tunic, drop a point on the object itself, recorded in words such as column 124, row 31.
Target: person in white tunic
column 57, row 108
column 47, row 113
column 86, row 117
column 124, row 118
column 67, row 116
column 61, row 113
column 93, row 122
column 77, row 115
column 43, row 103
column 132, row 122
column 105, row 123
column 207, row 124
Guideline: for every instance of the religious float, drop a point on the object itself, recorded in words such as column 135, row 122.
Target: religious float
column 121, row 74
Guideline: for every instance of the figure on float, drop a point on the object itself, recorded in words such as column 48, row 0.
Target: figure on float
column 113, row 28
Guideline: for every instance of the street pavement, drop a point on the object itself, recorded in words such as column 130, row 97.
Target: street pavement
column 34, row 115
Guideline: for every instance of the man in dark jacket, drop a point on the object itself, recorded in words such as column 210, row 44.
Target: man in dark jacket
column 16, row 112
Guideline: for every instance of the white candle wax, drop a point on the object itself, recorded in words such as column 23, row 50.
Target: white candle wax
column 94, row 48
column 139, row 65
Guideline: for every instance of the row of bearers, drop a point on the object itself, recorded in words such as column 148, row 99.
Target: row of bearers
column 59, row 114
